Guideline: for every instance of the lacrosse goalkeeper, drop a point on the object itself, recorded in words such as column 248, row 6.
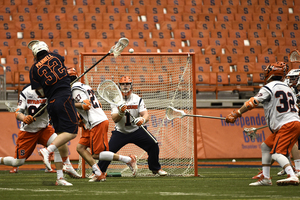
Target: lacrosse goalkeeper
column 281, row 113
column 128, row 131
column 95, row 131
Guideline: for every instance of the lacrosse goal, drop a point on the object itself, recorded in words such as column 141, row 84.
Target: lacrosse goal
column 162, row 80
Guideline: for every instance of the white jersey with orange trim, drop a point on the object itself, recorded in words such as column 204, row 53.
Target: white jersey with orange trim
column 95, row 115
column 279, row 104
column 30, row 103
column 135, row 105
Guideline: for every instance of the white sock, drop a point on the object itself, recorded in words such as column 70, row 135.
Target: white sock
column 96, row 169
column 125, row 159
column 59, row 174
column 289, row 170
column 297, row 164
column 51, row 148
column 266, row 171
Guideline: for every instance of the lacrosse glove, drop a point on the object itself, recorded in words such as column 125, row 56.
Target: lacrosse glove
column 86, row 104
column 121, row 109
column 139, row 121
column 28, row 119
column 233, row 116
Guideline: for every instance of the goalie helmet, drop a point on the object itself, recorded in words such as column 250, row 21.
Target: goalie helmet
column 37, row 46
column 72, row 73
column 125, row 85
column 292, row 78
column 276, row 71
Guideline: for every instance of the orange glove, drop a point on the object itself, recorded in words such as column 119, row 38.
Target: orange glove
column 233, row 116
column 28, row 119
column 121, row 109
column 139, row 121
column 86, row 104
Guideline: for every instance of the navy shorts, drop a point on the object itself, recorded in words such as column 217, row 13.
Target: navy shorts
column 63, row 114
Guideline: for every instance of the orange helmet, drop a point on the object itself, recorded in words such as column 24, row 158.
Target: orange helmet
column 123, row 82
column 276, row 71
column 72, row 73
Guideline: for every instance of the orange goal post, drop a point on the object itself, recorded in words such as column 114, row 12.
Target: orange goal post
column 162, row 80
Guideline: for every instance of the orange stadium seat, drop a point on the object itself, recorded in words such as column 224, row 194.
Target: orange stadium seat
column 80, row 42
column 39, row 17
column 58, row 25
column 122, row 3
column 266, row 58
column 231, row 2
column 212, row 50
column 20, row 17
column 210, row 9
column 61, row 43
column 207, row 59
column 18, row 50
column 246, row 58
column 225, row 17
column 46, row 9
column 86, row 34
column 68, row 34
column 262, row 9
column 174, row 9
column 139, row 2
column 119, row 33
column 261, row 17
column 44, row 25
column 269, row 49
column 7, row 25
column 58, row 50
column 228, row 9
column 295, row 65
column 148, row 49
column 136, row 10
column 236, row 25
column 188, row 17
column 258, row 41
column 222, row 78
column 141, row 34
column 128, row 25
column 84, row 2
column 20, row 26
column 231, row 59
column 76, row 25
column 97, row 9
column 161, row 34
column 173, row 17
column 11, row 67
column 279, row 17
column 282, row 57
column 94, row 49
column 57, row 17
column 136, row 43
column 198, row 33
column 238, row 34
column 98, row 43
column 12, row 3
column 61, row 3
column 254, row 33
column 182, row 34
column 64, row 9
column 235, row 41
column 75, row 17
column 155, row 18
column 168, row 25
column 220, row 25
column 129, row 17
column 13, row 59
column 154, row 9
column 291, row 33
column 260, row 67
column 286, row 49
column 219, row 33
column 146, row 26
column 280, row 9
column 4, row 51
column 169, row 49
column 245, row 67
column 4, row 17
column 217, row 41
column 199, row 67
column 206, row 82
column 188, row 9
column 8, row 9
column 221, row 67
column 77, row 9
column 212, row 2
column 72, row 60
column 92, row 17
column 50, row 34
column 7, row 42
column 111, row 25
column 111, row 17
column 176, row 2
column 231, row 49
column 116, row 9
column 74, row 51
column 277, row 25
column 26, row 9
column 292, row 42
column 266, row 2
column 21, row 78
column 24, row 67
column 293, row 25
column 294, row 17
column 243, row 17
column 155, row 42
column 273, row 33
column 195, row 49
column 200, row 42
column 205, row 25
column 207, row 17
column 8, row 34
column 240, row 78
column 276, row 41
column 94, row 25
column 245, row 9
column 258, row 25
column 105, row 34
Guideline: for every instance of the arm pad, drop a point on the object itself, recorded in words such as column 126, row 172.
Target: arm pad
column 251, row 103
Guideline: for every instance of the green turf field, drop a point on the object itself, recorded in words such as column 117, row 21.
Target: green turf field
column 215, row 183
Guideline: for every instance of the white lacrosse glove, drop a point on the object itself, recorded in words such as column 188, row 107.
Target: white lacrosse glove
column 121, row 109
column 139, row 121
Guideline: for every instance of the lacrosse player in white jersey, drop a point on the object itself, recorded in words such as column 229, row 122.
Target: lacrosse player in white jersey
column 96, row 127
column 36, row 131
column 127, row 131
column 281, row 113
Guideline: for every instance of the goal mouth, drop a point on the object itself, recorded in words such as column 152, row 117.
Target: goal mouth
column 161, row 80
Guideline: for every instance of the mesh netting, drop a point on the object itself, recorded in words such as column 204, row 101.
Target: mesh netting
column 162, row 80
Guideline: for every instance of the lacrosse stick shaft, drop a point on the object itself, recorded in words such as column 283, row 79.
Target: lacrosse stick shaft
column 262, row 127
column 204, row 116
column 143, row 128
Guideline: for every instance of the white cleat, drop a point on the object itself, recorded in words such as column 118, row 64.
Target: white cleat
column 68, row 169
column 63, row 182
column 258, row 175
column 290, row 180
column 133, row 165
column 45, row 154
column 297, row 173
column 100, row 178
column 92, row 176
column 281, row 173
column 262, row 182
column 160, row 172
column 50, row 171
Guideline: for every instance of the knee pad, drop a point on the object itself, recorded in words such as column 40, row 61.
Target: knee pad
column 266, row 157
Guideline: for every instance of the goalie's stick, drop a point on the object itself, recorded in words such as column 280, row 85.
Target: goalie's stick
column 294, row 56
column 111, row 93
column 251, row 132
column 173, row 113
column 116, row 50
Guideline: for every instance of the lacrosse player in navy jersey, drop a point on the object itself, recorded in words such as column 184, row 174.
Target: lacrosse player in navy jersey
column 49, row 78
column 127, row 132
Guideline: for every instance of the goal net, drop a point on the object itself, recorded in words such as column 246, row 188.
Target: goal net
column 162, row 80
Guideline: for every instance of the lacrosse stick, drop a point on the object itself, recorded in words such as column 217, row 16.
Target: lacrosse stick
column 251, row 132
column 294, row 56
column 173, row 113
column 116, row 50
column 9, row 107
column 110, row 92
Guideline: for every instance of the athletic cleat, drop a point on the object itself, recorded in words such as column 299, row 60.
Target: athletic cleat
column 262, row 182
column 100, row 178
column 50, row 171
column 45, row 154
column 290, row 180
column 68, row 169
column 92, row 176
column 258, row 175
column 160, row 172
column 297, row 173
column 63, row 182
column 133, row 165
column 281, row 173
column 14, row 170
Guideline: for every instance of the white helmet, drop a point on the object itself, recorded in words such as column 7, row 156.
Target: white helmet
column 36, row 46
column 292, row 78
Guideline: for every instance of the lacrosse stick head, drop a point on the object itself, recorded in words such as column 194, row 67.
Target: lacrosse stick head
column 251, row 132
column 119, row 47
column 294, row 56
column 10, row 108
column 173, row 113
column 110, row 92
